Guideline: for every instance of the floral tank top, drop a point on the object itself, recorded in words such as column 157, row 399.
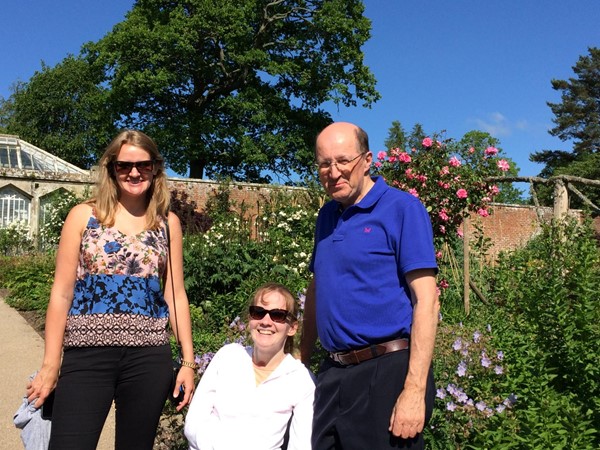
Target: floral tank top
column 118, row 299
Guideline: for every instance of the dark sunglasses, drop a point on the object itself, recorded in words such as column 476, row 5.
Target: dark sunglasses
column 277, row 315
column 125, row 167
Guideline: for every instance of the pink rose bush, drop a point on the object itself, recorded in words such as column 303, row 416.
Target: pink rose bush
column 448, row 177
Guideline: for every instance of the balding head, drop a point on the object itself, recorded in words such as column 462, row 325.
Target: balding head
column 341, row 131
column 343, row 156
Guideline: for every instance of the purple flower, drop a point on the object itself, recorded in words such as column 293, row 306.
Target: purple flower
column 476, row 336
column 452, row 389
column 457, row 345
column 462, row 397
column 301, row 300
column 500, row 408
column 500, row 355
column 498, row 370
column 510, row 401
column 441, row 393
column 450, row 406
column 203, row 361
column 485, row 361
column 462, row 369
column 481, row 406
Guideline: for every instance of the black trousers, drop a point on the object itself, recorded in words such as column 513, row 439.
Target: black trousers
column 353, row 404
column 136, row 378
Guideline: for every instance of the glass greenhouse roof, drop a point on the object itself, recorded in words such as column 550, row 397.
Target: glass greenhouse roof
column 18, row 154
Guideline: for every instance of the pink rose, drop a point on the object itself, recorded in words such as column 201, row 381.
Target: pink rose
column 503, row 165
column 462, row 193
column 427, row 142
column 455, row 162
column 491, row 151
column 378, row 164
column 381, row 156
column 404, row 157
column 483, row 212
column 445, row 170
column 413, row 192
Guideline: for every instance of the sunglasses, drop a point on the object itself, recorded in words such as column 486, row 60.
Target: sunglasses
column 277, row 315
column 125, row 167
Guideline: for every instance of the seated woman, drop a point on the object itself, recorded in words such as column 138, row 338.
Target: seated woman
column 247, row 396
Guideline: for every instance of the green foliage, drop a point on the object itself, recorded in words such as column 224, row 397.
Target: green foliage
column 578, row 114
column 576, row 118
column 235, row 88
column 29, row 280
column 63, row 110
column 15, row 239
column 58, row 205
column 540, row 416
column 473, row 389
column 448, row 177
column 227, row 263
column 554, row 284
column 396, row 136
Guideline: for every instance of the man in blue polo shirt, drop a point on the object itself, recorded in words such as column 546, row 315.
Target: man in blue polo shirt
column 372, row 302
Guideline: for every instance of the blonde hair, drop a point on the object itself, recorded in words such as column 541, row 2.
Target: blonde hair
column 106, row 195
column 291, row 305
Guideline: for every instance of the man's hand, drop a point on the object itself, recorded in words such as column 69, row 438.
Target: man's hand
column 408, row 415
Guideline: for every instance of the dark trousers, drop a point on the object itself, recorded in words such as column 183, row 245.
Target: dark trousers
column 353, row 404
column 137, row 378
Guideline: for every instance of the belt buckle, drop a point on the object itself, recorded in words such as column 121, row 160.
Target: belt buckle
column 336, row 357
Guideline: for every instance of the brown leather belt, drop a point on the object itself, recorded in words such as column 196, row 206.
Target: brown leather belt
column 370, row 352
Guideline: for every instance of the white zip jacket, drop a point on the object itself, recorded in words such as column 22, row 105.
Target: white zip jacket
column 230, row 412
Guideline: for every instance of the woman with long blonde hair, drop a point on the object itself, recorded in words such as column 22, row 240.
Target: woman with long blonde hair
column 106, row 325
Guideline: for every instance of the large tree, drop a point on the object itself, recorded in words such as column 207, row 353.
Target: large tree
column 62, row 110
column 577, row 119
column 235, row 87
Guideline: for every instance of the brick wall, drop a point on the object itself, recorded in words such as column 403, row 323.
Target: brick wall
column 508, row 227
column 511, row 226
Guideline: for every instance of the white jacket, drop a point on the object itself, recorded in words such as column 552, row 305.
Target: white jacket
column 230, row 412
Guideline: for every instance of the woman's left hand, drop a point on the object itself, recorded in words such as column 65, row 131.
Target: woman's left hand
column 185, row 380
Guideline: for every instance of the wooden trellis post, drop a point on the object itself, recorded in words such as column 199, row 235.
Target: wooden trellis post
column 466, row 258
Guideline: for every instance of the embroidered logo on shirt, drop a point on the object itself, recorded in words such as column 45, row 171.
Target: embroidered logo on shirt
column 367, row 230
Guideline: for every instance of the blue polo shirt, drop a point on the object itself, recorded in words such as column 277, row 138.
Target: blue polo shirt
column 360, row 258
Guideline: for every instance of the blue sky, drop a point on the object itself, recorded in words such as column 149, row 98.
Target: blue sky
column 453, row 65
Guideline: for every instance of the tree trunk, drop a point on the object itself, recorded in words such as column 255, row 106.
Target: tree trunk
column 197, row 168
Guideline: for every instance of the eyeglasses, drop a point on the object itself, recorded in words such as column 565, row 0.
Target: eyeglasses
column 340, row 165
column 125, row 167
column 277, row 315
